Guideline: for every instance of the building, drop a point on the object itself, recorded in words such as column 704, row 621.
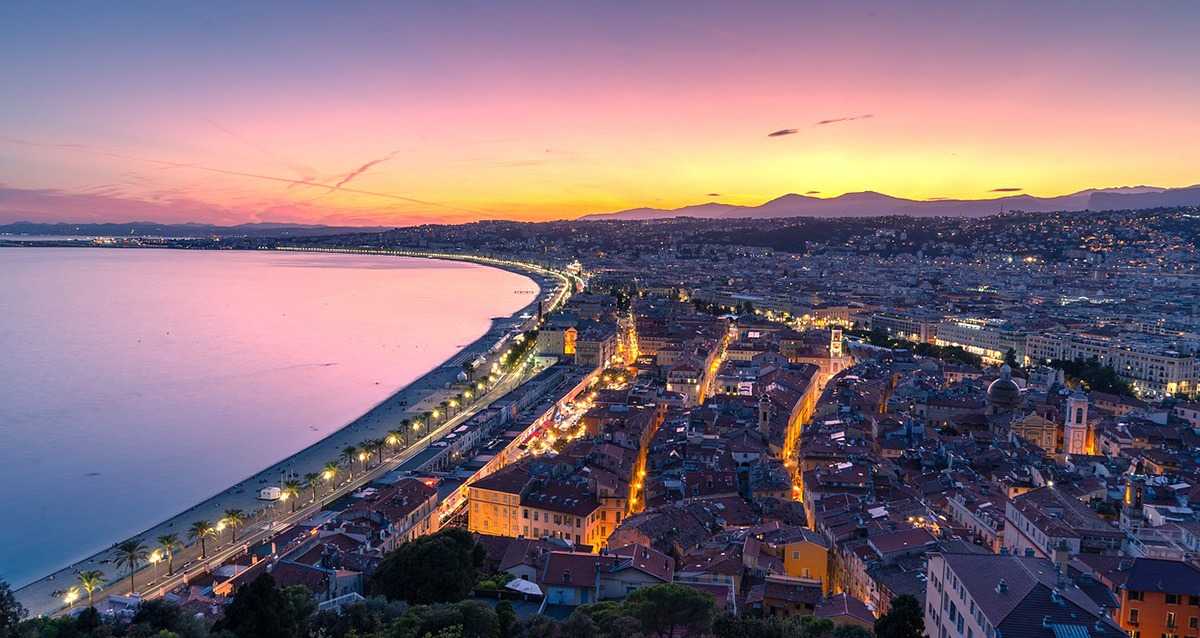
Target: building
column 577, row 578
column 1157, row 597
column 1076, row 437
column 494, row 503
column 910, row 327
column 990, row 339
column 1005, row 596
column 1048, row 520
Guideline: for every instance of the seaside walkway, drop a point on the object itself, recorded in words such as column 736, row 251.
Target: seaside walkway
column 44, row 596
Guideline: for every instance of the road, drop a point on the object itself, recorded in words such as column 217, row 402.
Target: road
column 263, row 528
column 44, row 596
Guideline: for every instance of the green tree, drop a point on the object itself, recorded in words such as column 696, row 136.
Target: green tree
column 291, row 491
column 904, row 620
column 579, row 625
column 130, row 555
column 11, row 611
column 199, row 531
column 311, row 478
column 90, row 581
column 154, row 617
column 672, row 610
column 506, row 617
column 260, row 610
column 168, row 543
column 301, row 606
column 234, row 519
column 442, row 567
column 349, row 453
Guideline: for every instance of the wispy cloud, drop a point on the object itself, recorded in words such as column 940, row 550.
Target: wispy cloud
column 783, row 131
column 812, row 192
column 849, row 118
column 1007, row 189
column 712, row 195
column 364, row 168
column 256, row 176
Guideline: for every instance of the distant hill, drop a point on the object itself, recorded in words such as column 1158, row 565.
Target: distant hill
column 152, row 229
column 872, row 204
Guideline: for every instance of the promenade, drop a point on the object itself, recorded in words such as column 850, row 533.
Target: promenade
column 263, row 519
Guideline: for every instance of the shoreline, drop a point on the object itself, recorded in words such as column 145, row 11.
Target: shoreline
column 423, row 393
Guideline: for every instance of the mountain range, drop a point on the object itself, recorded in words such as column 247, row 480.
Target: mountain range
column 872, row 204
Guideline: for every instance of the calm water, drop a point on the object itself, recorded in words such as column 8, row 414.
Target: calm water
column 134, row 383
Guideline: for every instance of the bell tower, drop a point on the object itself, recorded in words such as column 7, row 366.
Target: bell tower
column 835, row 343
column 1075, row 430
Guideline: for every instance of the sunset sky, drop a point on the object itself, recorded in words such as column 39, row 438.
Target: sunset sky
column 391, row 113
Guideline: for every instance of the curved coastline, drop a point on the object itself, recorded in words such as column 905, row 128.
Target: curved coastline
column 37, row 595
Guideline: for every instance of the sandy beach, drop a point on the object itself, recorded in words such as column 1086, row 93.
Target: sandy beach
column 42, row 596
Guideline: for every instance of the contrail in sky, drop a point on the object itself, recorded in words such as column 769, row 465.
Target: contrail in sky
column 222, row 171
column 364, row 168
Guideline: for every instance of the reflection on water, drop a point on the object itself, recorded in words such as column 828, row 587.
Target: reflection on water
column 134, row 383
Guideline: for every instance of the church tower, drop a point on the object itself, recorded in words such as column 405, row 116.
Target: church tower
column 1075, row 430
column 835, row 343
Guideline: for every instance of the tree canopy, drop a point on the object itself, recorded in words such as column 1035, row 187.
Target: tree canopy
column 439, row 568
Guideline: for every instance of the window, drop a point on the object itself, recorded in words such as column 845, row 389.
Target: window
column 525, row 514
column 1170, row 620
column 1172, row 599
column 1133, row 616
column 1194, row 600
column 1193, row 623
column 796, row 555
column 1135, row 595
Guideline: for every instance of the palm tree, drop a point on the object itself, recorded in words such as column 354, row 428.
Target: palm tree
column 348, row 453
column 291, row 491
column 201, row 530
column 130, row 554
column 364, row 453
column 444, row 407
column 399, row 435
column 311, row 479
column 377, row 445
column 90, row 581
column 169, row 543
column 330, row 471
column 233, row 520
column 426, row 419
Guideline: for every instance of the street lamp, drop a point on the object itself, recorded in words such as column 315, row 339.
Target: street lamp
column 155, row 558
column 71, row 595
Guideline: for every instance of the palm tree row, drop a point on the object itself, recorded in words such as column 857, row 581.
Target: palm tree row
column 132, row 554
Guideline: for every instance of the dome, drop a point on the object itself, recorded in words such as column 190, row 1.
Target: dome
column 1004, row 394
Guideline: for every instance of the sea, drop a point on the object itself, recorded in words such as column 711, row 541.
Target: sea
column 137, row 382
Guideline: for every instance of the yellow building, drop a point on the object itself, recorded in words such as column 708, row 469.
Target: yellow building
column 494, row 503
column 805, row 554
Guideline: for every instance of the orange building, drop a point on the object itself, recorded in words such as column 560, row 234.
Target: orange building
column 1157, row 597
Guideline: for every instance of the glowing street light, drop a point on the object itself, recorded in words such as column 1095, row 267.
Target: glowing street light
column 156, row 558
column 71, row 595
